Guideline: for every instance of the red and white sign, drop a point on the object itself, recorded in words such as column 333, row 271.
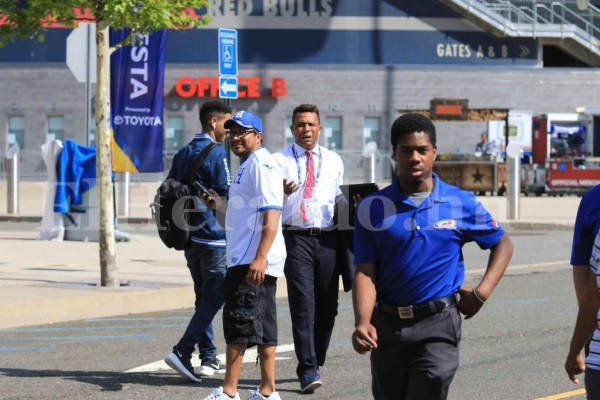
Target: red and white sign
column 208, row 86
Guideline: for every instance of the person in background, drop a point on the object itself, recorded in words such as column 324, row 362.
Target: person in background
column 585, row 256
column 311, row 241
column 205, row 254
column 408, row 288
column 485, row 147
column 255, row 257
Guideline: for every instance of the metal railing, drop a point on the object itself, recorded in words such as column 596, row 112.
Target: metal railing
column 539, row 19
column 33, row 168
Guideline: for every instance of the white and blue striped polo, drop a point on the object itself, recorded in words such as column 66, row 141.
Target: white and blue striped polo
column 257, row 187
column 593, row 359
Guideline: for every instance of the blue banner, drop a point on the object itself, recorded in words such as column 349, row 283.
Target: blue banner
column 137, row 86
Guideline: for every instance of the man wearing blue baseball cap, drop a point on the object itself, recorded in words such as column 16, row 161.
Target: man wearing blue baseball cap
column 255, row 256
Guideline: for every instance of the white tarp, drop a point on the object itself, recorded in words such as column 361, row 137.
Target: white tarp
column 53, row 227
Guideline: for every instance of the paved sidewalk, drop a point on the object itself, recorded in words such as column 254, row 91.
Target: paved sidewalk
column 45, row 282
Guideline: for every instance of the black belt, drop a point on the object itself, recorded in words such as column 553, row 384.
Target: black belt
column 307, row 231
column 418, row 310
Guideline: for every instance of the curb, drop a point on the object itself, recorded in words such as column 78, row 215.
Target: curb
column 508, row 225
column 35, row 218
column 103, row 302
column 60, row 303
column 535, row 226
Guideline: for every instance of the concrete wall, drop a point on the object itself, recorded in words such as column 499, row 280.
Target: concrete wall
column 350, row 92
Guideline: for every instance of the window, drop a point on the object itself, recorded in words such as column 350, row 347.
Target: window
column 16, row 131
column 289, row 136
column 333, row 133
column 174, row 134
column 372, row 130
column 56, row 128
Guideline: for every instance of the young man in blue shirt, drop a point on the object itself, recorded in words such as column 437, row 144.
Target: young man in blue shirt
column 205, row 254
column 409, row 270
column 585, row 259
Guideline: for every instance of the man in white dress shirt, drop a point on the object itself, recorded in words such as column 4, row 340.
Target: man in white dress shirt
column 312, row 179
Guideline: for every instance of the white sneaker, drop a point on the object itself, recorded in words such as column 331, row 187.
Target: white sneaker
column 256, row 395
column 211, row 367
column 218, row 394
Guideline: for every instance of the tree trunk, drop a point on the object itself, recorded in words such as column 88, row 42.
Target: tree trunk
column 109, row 274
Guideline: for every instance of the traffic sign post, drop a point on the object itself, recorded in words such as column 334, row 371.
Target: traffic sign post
column 228, row 64
column 81, row 60
column 228, row 87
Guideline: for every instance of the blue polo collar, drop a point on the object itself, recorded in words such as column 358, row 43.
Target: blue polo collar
column 203, row 135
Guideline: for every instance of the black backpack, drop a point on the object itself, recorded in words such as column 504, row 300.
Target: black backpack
column 173, row 205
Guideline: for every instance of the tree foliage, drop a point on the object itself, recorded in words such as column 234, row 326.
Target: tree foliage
column 30, row 18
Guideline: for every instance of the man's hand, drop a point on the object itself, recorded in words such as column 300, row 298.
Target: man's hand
column 574, row 365
column 469, row 304
column 356, row 198
column 289, row 187
column 209, row 201
column 364, row 338
column 256, row 272
column 213, row 202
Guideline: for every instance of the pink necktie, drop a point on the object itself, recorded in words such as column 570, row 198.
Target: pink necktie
column 309, row 184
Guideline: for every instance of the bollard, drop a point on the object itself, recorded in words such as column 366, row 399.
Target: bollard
column 369, row 152
column 513, row 189
column 124, row 194
column 234, row 165
column 12, row 179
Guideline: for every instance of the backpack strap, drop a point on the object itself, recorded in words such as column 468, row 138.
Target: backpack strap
column 197, row 162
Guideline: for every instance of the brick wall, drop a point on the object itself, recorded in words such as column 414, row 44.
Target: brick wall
column 350, row 92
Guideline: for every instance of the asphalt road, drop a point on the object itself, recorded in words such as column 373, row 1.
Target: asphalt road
column 513, row 349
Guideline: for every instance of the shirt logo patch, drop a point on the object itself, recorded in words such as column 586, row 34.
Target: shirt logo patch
column 494, row 223
column 445, row 224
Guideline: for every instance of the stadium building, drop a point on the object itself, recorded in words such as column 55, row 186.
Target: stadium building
column 362, row 62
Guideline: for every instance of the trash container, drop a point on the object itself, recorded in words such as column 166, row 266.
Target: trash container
column 82, row 221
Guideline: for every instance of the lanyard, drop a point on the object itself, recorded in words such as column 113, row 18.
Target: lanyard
column 297, row 157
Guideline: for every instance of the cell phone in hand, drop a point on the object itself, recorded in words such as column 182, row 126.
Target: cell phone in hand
column 202, row 190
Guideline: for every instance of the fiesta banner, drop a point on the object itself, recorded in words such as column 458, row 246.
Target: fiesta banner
column 136, row 97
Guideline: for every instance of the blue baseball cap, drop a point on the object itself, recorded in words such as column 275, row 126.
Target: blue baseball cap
column 245, row 119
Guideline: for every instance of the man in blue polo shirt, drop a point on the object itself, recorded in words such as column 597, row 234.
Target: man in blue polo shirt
column 410, row 269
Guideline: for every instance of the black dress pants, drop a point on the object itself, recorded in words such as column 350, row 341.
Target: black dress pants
column 415, row 358
column 312, row 284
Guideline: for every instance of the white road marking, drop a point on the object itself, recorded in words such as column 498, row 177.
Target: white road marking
column 249, row 357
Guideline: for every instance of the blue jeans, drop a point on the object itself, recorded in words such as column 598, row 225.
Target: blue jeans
column 207, row 267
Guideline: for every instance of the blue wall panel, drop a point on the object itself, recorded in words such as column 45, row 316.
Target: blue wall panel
column 377, row 32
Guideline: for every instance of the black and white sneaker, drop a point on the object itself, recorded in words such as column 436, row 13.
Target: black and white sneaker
column 182, row 363
column 212, row 366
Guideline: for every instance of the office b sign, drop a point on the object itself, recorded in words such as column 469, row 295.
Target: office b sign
column 228, row 62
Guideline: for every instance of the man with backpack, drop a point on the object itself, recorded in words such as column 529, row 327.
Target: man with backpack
column 205, row 252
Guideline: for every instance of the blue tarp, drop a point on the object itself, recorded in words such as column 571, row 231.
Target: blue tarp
column 75, row 174
column 567, row 129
